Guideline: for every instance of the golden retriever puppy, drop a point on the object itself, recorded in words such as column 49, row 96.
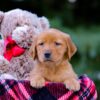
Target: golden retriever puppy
column 51, row 51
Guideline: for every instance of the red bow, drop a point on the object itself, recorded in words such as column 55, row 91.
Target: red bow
column 12, row 49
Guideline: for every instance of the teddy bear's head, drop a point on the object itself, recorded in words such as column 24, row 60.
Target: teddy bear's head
column 21, row 25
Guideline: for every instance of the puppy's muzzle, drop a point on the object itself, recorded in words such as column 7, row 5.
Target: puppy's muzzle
column 47, row 55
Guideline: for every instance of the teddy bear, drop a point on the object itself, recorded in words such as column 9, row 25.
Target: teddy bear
column 18, row 28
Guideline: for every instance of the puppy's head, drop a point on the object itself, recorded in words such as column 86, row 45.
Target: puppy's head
column 52, row 46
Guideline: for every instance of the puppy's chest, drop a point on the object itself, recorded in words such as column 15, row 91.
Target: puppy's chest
column 53, row 76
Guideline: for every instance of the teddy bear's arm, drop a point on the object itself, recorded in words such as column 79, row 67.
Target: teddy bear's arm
column 3, row 61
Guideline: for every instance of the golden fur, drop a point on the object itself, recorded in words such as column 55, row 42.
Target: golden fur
column 55, row 68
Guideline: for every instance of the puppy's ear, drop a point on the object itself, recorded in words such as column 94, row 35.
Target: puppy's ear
column 32, row 50
column 71, row 48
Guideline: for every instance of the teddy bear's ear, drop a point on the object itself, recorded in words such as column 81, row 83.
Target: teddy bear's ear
column 44, row 22
column 1, row 16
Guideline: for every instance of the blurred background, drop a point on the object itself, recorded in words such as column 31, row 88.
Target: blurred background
column 79, row 18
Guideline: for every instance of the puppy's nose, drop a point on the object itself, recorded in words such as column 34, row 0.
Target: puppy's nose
column 47, row 55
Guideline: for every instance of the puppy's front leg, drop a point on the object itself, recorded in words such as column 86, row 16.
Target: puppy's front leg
column 37, row 81
column 72, row 84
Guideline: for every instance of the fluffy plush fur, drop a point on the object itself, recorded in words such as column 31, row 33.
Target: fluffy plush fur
column 21, row 25
column 51, row 53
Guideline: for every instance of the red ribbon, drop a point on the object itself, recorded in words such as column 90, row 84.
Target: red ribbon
column 12, row 49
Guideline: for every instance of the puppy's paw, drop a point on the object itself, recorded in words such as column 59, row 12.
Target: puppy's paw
column 37, row 83
column 72, row 84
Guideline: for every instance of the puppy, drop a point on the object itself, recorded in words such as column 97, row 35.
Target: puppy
column 51, row 51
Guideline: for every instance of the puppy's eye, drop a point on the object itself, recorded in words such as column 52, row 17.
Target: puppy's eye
column 41, row 44
column 57, row 43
